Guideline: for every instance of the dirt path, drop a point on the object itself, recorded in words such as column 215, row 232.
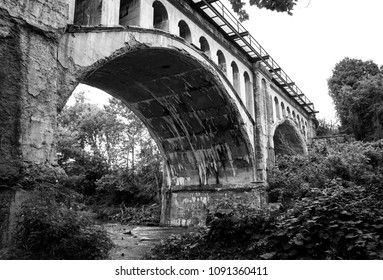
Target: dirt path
column 134, row 242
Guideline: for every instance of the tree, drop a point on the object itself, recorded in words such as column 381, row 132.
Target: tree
column 326, row 128
column 132, row 131
column 355, row 87
column 273, row 5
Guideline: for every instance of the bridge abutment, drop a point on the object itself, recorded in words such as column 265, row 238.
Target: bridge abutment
column 28, row 85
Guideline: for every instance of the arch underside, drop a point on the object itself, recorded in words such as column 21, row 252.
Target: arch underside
column 288, row 140
column 187, row 111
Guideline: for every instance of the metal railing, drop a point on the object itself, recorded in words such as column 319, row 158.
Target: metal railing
column 238, row 34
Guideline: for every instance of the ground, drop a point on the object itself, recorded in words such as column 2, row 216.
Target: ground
column 134, row 242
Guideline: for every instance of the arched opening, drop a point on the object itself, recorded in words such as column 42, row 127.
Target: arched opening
column 283, row 110
column 221, row 61
column 129, row 12
column 294, row 115
column 236, row 81
column 299, row 122
column 248, row 93
column 288, row 111
column 277, row 111
column 288, row 140
column 160, row 16
column 184, row 31
column 204, row 46
column 88, row 13
column 174, row 96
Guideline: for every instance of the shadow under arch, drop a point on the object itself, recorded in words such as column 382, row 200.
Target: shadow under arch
column 287, row 139
column 186, row 107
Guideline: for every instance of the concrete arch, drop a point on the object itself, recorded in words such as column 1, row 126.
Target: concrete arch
column 189, row 108
column 287, row 138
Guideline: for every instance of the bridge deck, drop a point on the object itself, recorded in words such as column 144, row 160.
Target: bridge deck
column 224, row 20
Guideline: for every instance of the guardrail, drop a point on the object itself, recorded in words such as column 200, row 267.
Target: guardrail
column 237, row 33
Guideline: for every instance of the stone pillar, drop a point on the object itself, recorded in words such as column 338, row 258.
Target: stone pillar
column 263, row 121
column 110, row 13
column 29, row 33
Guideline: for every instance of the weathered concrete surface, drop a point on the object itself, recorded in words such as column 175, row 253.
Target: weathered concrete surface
column 29, row 32
column 288, row 140
column 190, row 206
column 188, row 110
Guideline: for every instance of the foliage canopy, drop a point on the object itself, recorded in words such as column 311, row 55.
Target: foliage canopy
column 356, row 88
column 273, row 5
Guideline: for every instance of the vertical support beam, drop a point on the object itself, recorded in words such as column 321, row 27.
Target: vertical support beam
column 261, row 138
column 28, row 107
column 110, row 13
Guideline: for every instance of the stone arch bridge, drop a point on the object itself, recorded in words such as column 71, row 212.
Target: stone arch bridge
column 217, row 104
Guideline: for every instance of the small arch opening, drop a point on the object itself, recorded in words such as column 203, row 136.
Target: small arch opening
column 288, row 140
column 236, row 82
column 221, row 61
column 160, row 16
column 87, row 13
column 184, row 31
column 129, row 12
column 248, row 93
column 204, row 46
column 277, row 111
column 288, row 111
column 283, row 109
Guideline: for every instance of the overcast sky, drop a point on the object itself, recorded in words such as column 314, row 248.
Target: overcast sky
column 320, row 33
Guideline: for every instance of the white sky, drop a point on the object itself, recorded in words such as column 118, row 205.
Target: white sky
column 308, row 44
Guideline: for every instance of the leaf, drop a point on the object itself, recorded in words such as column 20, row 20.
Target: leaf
column 268, row 256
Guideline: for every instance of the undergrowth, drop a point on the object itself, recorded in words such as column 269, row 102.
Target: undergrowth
column 331, row 208
column 51, row 227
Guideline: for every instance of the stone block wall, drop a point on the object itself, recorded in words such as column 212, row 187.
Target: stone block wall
column 191, row 207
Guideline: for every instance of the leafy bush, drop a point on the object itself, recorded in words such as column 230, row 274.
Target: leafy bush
column 334, row 223
column 48, row 229
column 332, row 209
column 352, row 163
column 124, row 188
column 148, row 215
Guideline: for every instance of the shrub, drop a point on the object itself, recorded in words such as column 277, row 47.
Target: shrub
column 48, row 229
column 332, row 209
column 120, row 188
column 352, row 163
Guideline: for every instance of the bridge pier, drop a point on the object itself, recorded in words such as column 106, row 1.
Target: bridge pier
column 28, row 94
column 190, row 205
